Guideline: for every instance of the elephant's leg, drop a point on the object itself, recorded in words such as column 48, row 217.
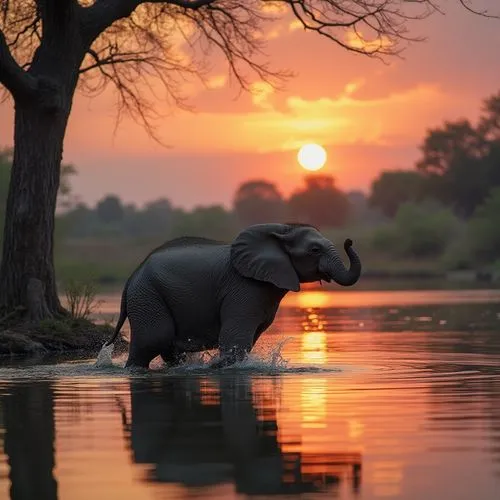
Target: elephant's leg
column 172, row 356
column 152, row 330
column 235, row 340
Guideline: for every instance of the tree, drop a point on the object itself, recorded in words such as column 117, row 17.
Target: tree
column 453, row 166
column 258, row 201
column 461, row 162
column 49, row 48
column 484, row 231
column 5, row 164
column 489, row 128
column 110, row 209
column 79, row 222
column 393, row 188
column 489, row 122
column 65, row 192
column 319, row 203
column 63, row 195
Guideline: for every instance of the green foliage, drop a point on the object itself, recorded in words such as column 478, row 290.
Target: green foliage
column 208, row 222
column 484, row 229
column 460, row 161
column 393, row 188
column 418, row 230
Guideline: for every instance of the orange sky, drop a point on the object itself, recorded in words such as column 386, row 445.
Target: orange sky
column 369, row 115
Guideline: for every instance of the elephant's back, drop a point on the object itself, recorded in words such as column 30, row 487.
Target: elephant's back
column 193, row 259
column 190, row 274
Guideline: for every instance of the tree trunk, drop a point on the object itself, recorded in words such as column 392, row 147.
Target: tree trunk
column 27, row 277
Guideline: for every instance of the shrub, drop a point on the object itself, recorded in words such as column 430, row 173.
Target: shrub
column 418, row 230
column 484, row 229
column 81, row 298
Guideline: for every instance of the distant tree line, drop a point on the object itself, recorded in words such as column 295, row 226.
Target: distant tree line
column 319, row 202
column 445, row 207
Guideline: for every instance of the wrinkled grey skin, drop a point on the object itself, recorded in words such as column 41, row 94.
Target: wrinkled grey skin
column 193, row 294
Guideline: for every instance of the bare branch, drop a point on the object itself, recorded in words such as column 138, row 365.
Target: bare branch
column 134, row 45
column 483, row 13
column 103, row 14
column 17, row 81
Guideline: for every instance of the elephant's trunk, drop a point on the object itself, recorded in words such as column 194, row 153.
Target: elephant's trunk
column 333, row 266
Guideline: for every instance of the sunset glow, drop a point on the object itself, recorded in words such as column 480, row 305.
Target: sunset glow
column 312, row 157
column 369, row 116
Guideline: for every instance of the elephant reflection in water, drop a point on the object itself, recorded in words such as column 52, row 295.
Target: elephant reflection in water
column 199, row 440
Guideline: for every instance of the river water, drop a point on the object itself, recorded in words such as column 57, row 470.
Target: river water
column 350, row 394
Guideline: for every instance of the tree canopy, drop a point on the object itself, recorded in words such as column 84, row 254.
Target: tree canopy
column 392, row 188
column 461, row 162
column 319, row 202
column 258, row 201
column 134, row 45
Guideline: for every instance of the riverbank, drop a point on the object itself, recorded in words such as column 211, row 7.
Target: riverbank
column 56, row 336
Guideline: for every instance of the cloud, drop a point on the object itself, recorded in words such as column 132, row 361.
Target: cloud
column 352, row 87
column 217, row 81
column 295, row 25
column 356, row 40
column 396, row 119
column 261, row 92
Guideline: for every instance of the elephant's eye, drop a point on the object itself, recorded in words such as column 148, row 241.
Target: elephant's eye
column 315, row 250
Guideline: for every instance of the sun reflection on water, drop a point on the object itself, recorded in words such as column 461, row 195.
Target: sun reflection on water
column 313, row 347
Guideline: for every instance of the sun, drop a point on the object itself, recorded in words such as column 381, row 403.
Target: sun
column 311, row 156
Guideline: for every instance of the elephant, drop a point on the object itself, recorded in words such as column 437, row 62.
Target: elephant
column 193, row 294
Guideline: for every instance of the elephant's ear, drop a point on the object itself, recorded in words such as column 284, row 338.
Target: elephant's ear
column 258, row 253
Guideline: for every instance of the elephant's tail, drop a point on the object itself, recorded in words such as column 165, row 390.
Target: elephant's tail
column 122, row 318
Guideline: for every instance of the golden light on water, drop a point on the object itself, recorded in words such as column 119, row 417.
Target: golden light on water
column 313, row 403
column 311, row 157
column 313, row 338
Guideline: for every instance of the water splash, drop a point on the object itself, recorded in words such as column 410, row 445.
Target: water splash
column 105, row 356
column 268, row 361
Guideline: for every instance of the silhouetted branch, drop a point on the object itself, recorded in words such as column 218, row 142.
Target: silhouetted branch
column 133, row 44
column 104, row 13
column 17, row 81
column 483, row 13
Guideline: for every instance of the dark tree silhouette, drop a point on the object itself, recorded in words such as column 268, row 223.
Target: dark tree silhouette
column 49, row 48
column 154, row 219
column 460, row 162
column 258, row 201
column 393, row 188
column 319, row 203
column 110, row 209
